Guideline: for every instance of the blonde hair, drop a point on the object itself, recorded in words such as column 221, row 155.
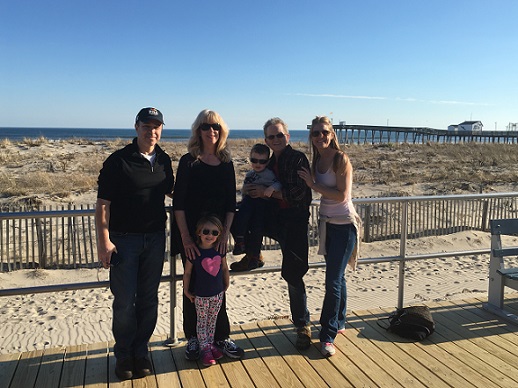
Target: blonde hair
column 341, row 159
column 195, row 144
column 209, row 220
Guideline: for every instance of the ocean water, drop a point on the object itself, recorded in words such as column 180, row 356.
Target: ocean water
column 99, row 134
column 182, row 135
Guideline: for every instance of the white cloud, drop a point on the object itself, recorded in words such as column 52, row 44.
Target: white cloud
column 458, row 103
column 337, row 96
column 404, row 99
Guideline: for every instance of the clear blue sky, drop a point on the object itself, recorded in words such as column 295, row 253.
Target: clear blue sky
column 95, row 63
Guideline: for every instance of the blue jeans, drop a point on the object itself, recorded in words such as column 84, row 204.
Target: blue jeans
column 134, row 283
column 250, row 216
column 340, row 242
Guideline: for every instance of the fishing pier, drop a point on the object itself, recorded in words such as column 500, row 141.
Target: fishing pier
column 372, row 134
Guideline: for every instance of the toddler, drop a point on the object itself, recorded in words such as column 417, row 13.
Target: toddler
column 212, row 280
column 251, row 210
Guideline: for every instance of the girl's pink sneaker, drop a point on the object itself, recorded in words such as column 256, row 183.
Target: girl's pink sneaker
column 216, row 352
column 207, row 358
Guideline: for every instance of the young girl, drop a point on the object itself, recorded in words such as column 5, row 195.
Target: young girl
column 212, row 280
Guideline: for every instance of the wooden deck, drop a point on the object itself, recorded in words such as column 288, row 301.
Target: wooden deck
column 471, row 348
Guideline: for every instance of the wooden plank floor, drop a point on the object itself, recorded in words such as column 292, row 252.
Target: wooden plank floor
column 470, row 348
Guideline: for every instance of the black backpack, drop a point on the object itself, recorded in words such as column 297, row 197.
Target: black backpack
column 414, row 322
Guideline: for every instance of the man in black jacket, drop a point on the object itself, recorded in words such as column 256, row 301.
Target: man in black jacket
column 130, row 220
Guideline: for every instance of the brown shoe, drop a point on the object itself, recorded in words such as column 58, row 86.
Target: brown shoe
column 247, row 263
column 303, row 338
column 143, row 367
column 124, row 368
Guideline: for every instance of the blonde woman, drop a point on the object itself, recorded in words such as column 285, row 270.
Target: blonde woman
column 331, row 176
column 205, row 185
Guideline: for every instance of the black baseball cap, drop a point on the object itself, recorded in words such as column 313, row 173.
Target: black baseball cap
column 149, row 113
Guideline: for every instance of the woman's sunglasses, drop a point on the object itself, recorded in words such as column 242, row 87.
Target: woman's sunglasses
column 280, row 135
column 206, row 232
column 207, row 126
column 324, row 133
column 260, row 161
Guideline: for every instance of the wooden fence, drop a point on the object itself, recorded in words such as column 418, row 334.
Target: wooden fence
column 65, row 238
column 53, row 239
column 429, row 216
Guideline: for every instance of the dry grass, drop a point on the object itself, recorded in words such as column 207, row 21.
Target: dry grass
column 45, row 168
column 440, row 168
column 5, row 143
column 29, row 142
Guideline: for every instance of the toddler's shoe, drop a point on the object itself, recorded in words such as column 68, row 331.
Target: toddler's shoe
column 247, row 263
column 230, row 348
column 239, row 248
column 192, row 351
column 207, row 358
column 216, row 352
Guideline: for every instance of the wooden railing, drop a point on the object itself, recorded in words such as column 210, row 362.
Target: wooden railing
column 432, row 215
column 414, row 219
column 66, row 238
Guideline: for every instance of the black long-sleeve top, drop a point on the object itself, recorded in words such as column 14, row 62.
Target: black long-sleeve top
column 136, row 189
column 202, row 189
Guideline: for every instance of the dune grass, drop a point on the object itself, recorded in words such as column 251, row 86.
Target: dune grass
column 59, row 168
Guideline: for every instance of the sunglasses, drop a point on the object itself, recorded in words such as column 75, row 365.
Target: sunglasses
column 206, row 232
column 324, row 133
column 280, row 135
column 207, row 126
column 260, row 161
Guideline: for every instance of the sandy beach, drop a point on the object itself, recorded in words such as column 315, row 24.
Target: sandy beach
column 40, row 321
column 40, row 174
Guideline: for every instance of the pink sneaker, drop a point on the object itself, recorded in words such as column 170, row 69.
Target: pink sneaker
column 327, row 349
column 207, row 358
column 216, row 352
column 341, row 331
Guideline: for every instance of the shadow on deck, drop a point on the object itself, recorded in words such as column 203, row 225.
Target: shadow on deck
column 470, row 347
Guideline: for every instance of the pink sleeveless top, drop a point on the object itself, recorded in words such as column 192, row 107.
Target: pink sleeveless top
column 329, row 207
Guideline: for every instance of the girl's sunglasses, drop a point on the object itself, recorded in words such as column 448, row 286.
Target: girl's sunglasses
column 260, row 161
column 280, row 135
column 206, row 232
column 207, row 126
column 324, row 133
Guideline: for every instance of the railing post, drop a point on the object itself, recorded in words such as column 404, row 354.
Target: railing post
column 42, row 254
column 485, row 215
column 173, row 335
column 402, row 254
column 367, row 224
